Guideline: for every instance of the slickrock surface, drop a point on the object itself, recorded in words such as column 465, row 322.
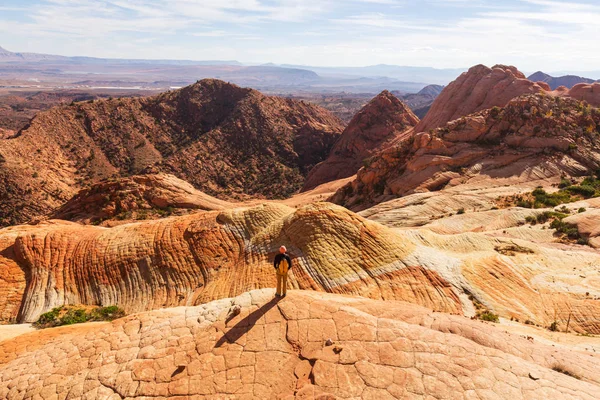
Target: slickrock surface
column 224, row 140
column 134, row 197
column 279, row 349
column 375, row 127
column 534, row 137
column 200, row 257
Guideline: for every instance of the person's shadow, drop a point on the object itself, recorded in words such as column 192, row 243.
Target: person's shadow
column 244, row 326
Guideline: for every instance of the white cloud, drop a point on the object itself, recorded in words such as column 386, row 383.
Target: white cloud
column 531, row 34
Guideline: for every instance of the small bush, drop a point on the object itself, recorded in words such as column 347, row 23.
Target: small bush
column 553, row 326
column 107, row 313
column 563, row 370
column 460, row 211
column 487, row 316
column 586, row 191
column 581, row 210
column 564, row 183
column 67, row 315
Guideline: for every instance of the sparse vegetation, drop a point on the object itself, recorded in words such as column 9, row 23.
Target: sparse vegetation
column 487, row 316
column 460, row 211
column 68, row 315
column 553, row 326
column 512, row 249
column 482, row 312
column 563, row 370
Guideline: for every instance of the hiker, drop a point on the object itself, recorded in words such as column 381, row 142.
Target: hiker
column 282, row 264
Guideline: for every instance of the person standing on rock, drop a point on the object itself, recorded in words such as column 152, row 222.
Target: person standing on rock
column 282, row 264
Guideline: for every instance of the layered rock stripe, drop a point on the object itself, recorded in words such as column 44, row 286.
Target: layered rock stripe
column 210, row 255
column 308, row 345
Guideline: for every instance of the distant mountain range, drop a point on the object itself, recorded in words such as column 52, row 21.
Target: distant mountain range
column 9, row 56
column 554, row 82
column 269, row 77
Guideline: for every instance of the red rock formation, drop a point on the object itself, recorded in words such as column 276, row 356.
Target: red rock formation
column 586, row 92
column 223, row 139
column 136, row 197
column 475, row 90
column 534, row 136
column 375, row 127
column 306, row 346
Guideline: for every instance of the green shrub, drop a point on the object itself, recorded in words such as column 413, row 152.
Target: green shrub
column 488, row 316
column 564, row 183
column 581, row 210
column 67, row 315
column 586, row 191
column 49, row 317
column 73, row 316
column 553, row 326
column 460, row 211
column 107, row 313
column 524, row 204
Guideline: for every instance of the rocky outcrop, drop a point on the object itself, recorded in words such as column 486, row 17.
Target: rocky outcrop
column 567, row 81
column 223, row 139
column 308, row 345
column 533, row 137
column 375, row 127
column 136, row 197
column 478, row 89
column 196, row 258
column 481, row 88
column 589, row 93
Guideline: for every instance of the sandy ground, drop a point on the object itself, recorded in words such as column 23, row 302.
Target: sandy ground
column 571, row 341
column 11, row 331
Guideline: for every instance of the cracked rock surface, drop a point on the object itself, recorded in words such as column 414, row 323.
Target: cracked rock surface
column 276, row 349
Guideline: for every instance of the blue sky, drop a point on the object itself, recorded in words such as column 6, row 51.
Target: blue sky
column 531, row 34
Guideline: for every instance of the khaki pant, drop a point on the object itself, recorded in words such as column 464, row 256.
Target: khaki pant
column 281, row 284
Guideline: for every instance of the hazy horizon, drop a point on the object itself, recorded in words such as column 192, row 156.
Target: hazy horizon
column 530, row 34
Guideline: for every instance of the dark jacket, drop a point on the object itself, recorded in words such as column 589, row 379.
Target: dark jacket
column 280, row 257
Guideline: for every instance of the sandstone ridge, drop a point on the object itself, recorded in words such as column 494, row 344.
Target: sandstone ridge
column 136, row 197
column 225, row 140
column 532, row 137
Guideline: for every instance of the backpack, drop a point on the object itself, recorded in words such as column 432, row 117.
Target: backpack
column 283, row 267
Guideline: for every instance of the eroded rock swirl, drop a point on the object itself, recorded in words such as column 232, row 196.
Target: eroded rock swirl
column 201, row 257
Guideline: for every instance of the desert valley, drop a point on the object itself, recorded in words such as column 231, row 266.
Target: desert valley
column 445, row 239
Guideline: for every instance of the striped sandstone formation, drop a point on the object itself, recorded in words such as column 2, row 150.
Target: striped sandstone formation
column 205, row 256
